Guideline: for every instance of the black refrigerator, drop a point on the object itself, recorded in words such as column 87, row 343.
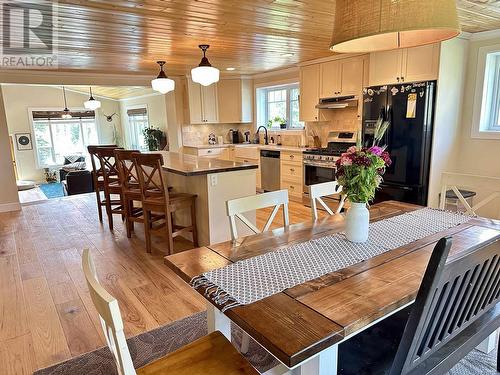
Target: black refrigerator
column 410, row 109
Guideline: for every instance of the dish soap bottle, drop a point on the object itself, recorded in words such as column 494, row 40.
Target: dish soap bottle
column 279, row 140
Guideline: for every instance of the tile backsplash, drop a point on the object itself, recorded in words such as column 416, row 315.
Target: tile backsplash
column 198, row 134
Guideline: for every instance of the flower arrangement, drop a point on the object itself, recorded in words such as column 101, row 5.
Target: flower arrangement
column 360, row 170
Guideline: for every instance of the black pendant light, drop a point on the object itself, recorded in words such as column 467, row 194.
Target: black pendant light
column 66, row 113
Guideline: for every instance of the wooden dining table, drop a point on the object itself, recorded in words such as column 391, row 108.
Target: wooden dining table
column 303, row 326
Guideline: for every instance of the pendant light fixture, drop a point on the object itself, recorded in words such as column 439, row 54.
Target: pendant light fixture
column 66, row 113
column 205, row 74
column 162, row 83
column 377, row 25
column 92, row 104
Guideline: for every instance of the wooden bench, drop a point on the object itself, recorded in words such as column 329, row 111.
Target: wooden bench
column 456, row 308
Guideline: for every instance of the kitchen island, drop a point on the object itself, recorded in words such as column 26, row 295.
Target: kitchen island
column 214, row 182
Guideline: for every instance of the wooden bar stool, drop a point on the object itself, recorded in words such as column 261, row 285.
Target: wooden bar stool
column 97, row 176
column 111, row 183
column 131, row 190
column 156, row 199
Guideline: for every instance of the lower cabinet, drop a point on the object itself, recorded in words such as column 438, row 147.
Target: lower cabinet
column 291, row 173
column 249, row 154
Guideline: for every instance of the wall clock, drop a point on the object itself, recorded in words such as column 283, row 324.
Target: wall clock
column 23, row 141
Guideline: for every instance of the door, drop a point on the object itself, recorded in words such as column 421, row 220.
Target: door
column 330, row 79
column 385, row 67
column 309, row 92
column 351, row 76
column 421, row 63
column 209, row 103
column 195, row 105
column 374, row 107
column 406, row 136
column 13, row 155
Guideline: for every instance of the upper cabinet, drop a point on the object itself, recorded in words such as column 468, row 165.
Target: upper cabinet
column 227, row 101
column 202, row 101
column 404, row 65
column 342, row 77
column 309, row 92
column 235, row 100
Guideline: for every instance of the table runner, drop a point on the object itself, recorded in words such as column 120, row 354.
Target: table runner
column 253, row 279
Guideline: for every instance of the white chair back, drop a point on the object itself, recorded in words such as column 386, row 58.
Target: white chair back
column 236, row 208
column 488, row 186
column 318, row 191
column 111, row 320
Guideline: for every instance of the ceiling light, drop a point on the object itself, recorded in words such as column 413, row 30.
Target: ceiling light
column 66, row 113
column 162, row 83
column 377, row 25
column 205, row 74
column 92, row 104
column 230, row 69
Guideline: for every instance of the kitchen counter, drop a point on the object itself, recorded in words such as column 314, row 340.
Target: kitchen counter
column 190, row 165
column 214, row 182
column 259, row 146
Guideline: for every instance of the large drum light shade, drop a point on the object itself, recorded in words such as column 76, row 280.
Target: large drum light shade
column 377, row 25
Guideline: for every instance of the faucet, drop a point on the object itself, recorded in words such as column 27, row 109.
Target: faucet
column 265, row 135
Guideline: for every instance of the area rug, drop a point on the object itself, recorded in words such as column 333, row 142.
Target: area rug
column 53, row 190
column 154, row 344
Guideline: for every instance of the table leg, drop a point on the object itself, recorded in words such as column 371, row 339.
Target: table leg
column 488, row 344
column 325, row 363
column 217, row 321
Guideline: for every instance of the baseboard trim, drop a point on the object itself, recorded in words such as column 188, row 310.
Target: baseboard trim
column 7, row 207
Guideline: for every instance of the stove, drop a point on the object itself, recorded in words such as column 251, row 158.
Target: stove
column 319, row 164
column 337, row 145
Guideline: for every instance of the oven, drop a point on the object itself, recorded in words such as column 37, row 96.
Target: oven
column 316, row 172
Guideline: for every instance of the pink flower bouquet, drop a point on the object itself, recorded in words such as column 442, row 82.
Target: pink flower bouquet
column 360, row 170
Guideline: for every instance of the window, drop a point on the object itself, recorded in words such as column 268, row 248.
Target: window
column 137, row 122
column 56, row 137
column 279, row 102
column 486, row 112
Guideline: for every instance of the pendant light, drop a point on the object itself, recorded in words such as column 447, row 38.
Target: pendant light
column 162, row 83
column 377, row 25
column 92, row 104
column 205, row 74
column 66, row 113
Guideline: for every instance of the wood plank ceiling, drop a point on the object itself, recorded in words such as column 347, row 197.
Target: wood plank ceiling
column 250, row 35
column 112, row 92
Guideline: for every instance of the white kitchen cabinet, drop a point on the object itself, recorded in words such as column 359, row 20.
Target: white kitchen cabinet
column 331, row 78
column 202, row 101
column 342, row 77
column 235, row 100
column 404, row 65
column 309, row 92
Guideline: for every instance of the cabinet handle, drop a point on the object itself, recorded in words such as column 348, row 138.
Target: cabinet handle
column 397, row 78
column 402, row 79
column 292, row 187
column 292, row 169
column 209, row 151
column 291, row 156
column 315, row 117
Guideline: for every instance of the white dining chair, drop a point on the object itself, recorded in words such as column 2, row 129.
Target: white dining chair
column 318, row 191
column 213, row 351
column 109, row 314
column 237, row 207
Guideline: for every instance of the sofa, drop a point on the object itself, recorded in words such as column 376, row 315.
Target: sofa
column 78, row 182
column 71, row 163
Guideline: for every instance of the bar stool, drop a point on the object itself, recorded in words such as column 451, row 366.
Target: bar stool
column 156, row 199
column 111, row 183
column 97, row 176
column 131, row 189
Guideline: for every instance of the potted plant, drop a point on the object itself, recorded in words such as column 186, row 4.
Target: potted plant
column 277, row 120
column 154, row 139
column 360, row 171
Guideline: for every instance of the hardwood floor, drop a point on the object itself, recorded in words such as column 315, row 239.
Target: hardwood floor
column 46, row 314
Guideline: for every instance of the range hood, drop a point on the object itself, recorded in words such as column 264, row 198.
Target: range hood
column 338, row 102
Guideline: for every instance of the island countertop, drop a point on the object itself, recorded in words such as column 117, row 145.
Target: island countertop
column 190, row 165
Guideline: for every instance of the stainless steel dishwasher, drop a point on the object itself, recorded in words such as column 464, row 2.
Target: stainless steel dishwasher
column 270, row 170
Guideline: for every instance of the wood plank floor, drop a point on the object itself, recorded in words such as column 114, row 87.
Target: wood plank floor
column 46, row 314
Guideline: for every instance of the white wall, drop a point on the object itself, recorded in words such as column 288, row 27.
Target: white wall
column 447, row 117
column 9, row 200
column 18, row 98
